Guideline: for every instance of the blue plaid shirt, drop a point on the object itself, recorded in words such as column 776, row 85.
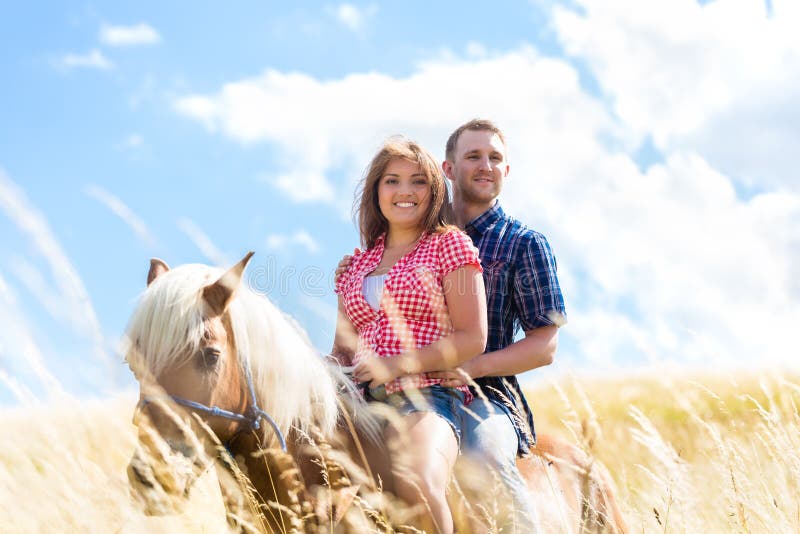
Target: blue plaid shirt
column 522, row 291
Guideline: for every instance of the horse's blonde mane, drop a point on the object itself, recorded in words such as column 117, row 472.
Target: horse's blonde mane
column 292, row 382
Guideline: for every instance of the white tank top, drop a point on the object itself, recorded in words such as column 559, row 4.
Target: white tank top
column 373, row 290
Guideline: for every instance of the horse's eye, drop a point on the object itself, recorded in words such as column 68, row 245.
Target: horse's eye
column 209, row 357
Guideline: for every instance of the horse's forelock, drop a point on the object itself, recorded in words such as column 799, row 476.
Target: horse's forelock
column 167, row 326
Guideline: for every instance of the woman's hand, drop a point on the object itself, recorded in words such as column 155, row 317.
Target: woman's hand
column 376, row 370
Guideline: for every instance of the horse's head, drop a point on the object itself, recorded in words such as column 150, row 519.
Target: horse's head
column 184, row 355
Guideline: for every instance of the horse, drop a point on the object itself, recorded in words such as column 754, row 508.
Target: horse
column 227, row 379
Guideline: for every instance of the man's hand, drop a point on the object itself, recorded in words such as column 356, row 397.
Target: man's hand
column 452, row 377
column 344, row 263
column 376, row 370
column 458, row 376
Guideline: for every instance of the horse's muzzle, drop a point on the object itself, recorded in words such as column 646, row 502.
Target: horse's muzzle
column 161, row 476
column 159, row 492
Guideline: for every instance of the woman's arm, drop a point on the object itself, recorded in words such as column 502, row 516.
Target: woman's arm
column 466, row 304
column 345, row 341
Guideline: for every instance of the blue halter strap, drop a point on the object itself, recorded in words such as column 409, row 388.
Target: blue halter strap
column 253, row 415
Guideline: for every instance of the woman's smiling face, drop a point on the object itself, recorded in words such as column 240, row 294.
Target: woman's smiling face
column 404, row 194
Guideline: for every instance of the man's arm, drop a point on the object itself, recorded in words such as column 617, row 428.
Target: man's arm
column 344, row 263
column 535, row 275
column 536, row 349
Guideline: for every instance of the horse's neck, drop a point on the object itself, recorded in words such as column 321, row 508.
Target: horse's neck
column 273, row 474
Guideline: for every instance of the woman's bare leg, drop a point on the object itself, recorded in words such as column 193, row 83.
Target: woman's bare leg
column 424, row 452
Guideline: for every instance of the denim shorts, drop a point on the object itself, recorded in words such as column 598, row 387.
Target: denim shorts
column 447, row 403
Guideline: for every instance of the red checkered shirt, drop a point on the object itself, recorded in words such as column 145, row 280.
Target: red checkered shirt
column 413, row 312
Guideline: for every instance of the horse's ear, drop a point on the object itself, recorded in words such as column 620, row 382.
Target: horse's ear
column 219, row 294
column 157, row 268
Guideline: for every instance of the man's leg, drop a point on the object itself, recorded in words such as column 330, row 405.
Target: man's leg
column 489, row 436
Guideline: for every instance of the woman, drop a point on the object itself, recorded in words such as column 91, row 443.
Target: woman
column 411, row 303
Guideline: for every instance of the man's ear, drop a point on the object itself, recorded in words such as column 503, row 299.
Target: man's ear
column 447, row 168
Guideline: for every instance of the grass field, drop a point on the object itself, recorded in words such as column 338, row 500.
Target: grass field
column 691, row 454
column 688, row 454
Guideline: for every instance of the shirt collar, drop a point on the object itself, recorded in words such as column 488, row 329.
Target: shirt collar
column 376, row 252
column 485, row 220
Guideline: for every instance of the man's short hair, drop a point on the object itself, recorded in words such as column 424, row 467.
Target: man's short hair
column 474, row 124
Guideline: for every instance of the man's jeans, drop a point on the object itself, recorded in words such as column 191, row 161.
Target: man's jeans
column 488, row 434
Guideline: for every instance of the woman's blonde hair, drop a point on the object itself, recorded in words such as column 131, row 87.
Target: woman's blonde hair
column 371, row 222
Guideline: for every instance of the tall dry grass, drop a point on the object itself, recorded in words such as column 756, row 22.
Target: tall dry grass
column 688, row 453
column 62, row 469
column 700, row 453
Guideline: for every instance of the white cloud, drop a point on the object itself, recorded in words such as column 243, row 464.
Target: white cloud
column 91, row 60
column 203, row 242
column 139, row 34
column 353, row 114
column 303, row 186
column 299, row 238
column 711, row 77
column 695, row 270
column 353, row 17
column 121, row 210
column 200, row 108
column 664, row 262
column 76, row 301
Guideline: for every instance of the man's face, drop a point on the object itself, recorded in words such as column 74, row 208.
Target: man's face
column 479, row 166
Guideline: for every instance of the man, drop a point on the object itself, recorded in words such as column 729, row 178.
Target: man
column 522, row 290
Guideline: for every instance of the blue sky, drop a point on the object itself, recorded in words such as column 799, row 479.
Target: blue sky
column 651, row 143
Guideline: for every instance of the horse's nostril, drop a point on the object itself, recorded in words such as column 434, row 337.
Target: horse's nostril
column 182, row 448
column 139, row 476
